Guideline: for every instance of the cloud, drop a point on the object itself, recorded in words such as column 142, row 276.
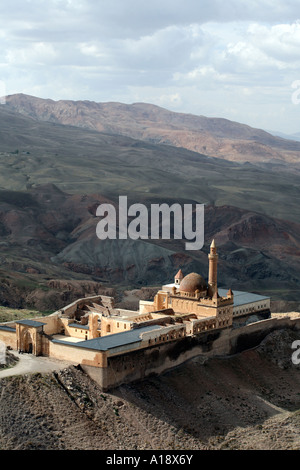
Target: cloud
column 131, row 18
column 210, row 57
column 280, row 42
column 39, row 53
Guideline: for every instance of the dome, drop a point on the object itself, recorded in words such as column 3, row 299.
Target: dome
column 192, row 282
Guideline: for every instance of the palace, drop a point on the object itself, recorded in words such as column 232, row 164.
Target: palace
column 115, row 345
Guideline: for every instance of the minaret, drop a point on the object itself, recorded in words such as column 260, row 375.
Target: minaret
column 213, row 268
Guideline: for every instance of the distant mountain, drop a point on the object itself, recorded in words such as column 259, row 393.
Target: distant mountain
column 210, row 136
column 286, row 136
column 85, row 161
column 296, row 136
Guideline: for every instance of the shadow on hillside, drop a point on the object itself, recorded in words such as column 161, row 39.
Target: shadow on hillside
column 201, row 400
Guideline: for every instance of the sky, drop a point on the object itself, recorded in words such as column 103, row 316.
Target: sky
column 237, row 59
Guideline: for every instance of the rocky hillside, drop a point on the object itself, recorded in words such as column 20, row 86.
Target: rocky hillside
column 247, row 401
column 54, row 176
column 50, row 254
column 83, row 161
column 210, row 136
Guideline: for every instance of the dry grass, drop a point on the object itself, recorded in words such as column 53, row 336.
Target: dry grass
column 10, row 314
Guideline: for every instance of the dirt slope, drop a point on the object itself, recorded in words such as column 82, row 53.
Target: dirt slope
column 247, row 401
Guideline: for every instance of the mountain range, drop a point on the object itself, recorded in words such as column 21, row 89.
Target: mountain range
column 215, row 137
column 60, row 160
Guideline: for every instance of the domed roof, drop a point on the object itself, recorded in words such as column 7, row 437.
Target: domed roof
column 192, row 282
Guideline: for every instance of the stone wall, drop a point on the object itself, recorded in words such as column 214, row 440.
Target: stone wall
column 51, row 324
column 137, row 365
column 252, row 307
column 70, row 309
column 8, row 337
column 75, row 331
column 71, row 353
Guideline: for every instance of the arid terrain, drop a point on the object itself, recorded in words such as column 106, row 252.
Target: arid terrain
column 247, row 401
column 60, row 160
column 215, row 137
column 50, row 254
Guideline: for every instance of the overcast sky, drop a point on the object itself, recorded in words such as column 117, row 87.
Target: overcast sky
column 235, row 59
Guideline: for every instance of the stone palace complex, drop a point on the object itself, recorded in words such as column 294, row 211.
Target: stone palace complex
column 114, row 345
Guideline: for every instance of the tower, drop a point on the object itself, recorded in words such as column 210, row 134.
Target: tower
column 178, row 278
column 212, row 269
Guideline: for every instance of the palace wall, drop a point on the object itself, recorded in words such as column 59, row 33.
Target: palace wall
column 154, row 360
column 77, row 331
column 71, row 308
column 8, row 337
column 251, row 307
column 52, row 324
column 68, row 352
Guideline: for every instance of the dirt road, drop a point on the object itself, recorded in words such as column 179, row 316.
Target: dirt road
column 28, row 364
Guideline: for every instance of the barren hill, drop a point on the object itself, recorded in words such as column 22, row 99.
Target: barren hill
column 215, row 137
column 53, row 176
column 246, row 401
column 84, row 161
column 49, row 251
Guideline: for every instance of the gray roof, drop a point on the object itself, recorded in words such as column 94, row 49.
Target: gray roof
column 7, row 328
column 115, row 340
column 78, row 325
column 33, row 323
column 242, row 298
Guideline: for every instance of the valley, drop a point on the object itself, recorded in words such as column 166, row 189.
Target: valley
column 53, row 177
